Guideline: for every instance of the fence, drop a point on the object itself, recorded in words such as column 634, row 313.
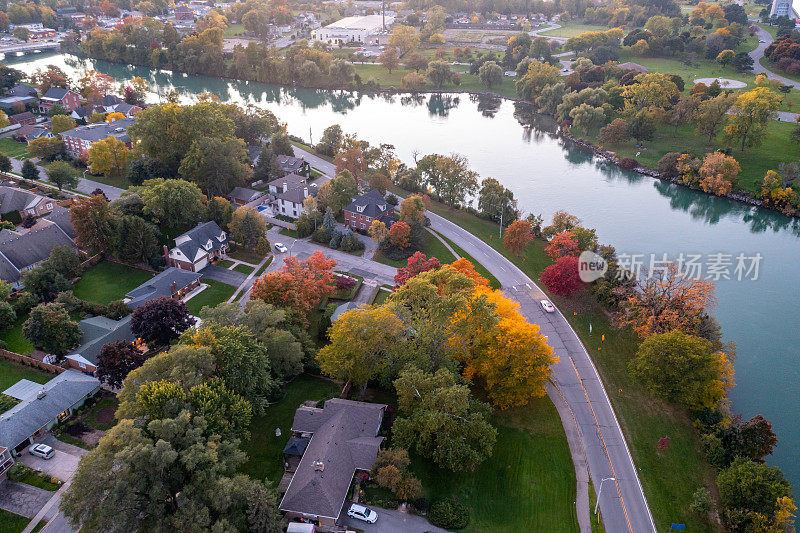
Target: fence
column 30, row 361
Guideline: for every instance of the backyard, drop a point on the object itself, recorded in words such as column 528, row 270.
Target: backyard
column 216, row 293
column 11, row 372
column 105, row 282
column 12, row 148
column 14, row 338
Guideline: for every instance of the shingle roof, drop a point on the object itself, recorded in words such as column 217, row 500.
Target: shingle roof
column 29, row 249
column 14, row 199
column 8, row 272
column 22, row 90
column 291, row 180
column 161, row 285
column 290, row 164
column 96, row 132
column 244, row 194
column 61, row 217
column 297, row 194
column 110, row 100
column 19, row 117
column 295, row 446
column 99, row 331
column 124, row 108
column 344, row 440
column 371, row 204
column 33, row 413
column 55, row 93
column 199, row 237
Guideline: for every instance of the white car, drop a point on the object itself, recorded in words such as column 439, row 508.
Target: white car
column 42, row 450
column 761, row 41
column 547, row 306
column 365, row 514
column 281, row 248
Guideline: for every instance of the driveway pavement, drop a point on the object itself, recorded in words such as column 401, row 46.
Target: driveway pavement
column 229, row 277
column 22, row 499
column 61, row 466
column 393, row 522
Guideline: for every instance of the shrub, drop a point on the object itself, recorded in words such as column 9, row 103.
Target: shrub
column 117, row 309
column 449, row 514
column 668, row 165
column 12, row 216
column 628, row 163
column 344, row 283
column 421, row 505
column 392, row 200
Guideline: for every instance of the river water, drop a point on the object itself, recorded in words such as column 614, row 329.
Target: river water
column 636, row 214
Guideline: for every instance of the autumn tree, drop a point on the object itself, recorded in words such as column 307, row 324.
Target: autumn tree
column 405, row 39
column 399, row 235
column 718, row 173
column 562, row 277
column 517, row 236
column 652, row 91
column 562, row 243
column 352, row 161
column 377, row 231
column 441, row 72
column 712, row 114
column 299, row 286
column 750, row 114
column 172, row 203
column 116, row 360
column 50, row 328
column 160, row 320
column 92, row 219
column 538, row 76
column 46, row 149
column 450, row 176
column 417, row 264
column 683, row 369
column 220, row 211
column 109, row 157
column 416, row 62
column 339, row 191
column 490, row 74
column 61, row 123
column 360, row 344
column 389, row 58
column 247, row 226
column 683, row 112
column 755, row 492
column 412, row 210
column 216, row 165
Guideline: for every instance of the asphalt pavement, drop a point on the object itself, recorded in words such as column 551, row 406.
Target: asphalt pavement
column 758, row 53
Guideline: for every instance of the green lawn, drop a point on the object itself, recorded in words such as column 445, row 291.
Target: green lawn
column 264, row 266
column 225, row 263
column 216, row 293
column 528, row 484
column 12, row 523
column 11, row 372
column 33, row 478
column 92, row 418
column 670, row 479
column 106, row 282
column 233, row 30
column 15, row 339
column 573, row 28
column 290, row 233
column 382, row 295
column 248, row 257
column 432, row 247
column 12, row 148
column 122, row 182
column 244, row 269
column 264, row 449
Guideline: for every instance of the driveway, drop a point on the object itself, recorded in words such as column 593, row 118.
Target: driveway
column 392, row 522
column 229, row 277
column 61, row 466
column 24, row 500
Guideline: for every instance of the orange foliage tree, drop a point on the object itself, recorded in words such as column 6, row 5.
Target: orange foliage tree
column 563, row 243
column 468, row 269
column 665, row 302
column 299, row 286
column 352, row 160
column 517, row 236
column 399, row 234
column 718, row 173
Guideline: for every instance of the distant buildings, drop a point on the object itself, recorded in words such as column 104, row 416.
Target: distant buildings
column 78, row 140
column 352, row 29
column 782, row 8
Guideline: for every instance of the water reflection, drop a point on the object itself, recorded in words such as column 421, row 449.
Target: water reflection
column 439, row 105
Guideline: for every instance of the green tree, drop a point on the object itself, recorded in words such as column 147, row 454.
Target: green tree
column 441, row 72
column 29, row 170
column 21, row 33
column 343, row 188
column 587, row 117
column 220, row 211
column 109, row 157
column 538, row 76
column 137, row 240
column 46, row 149
column 61, row 123
column 750, row 114
column 61, row 174
column 92, row 218
column 173, row 203
column 45, row 283
column 449, row 176
column 331, row 141
column 50, row 328
column 750, row 487
column 216, row 165
column 441, row 421
column 494, row 199
column 712, row 114
column 64, row 260
column 280, row 144
column 389, row 58
column 247, row 226
column 490, row 74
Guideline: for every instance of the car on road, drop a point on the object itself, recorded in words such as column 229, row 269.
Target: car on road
column 42, row 450
column 761, row 41
column 281, row 248
column 547, row 306
column 365, row 514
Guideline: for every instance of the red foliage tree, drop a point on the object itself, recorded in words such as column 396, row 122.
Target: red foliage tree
column 562, row 277
column 299, row 285
column 417, row 264
column 160, row 320
column 399, row 234
column 116, row 360
column 562, row 244
column 517, row 236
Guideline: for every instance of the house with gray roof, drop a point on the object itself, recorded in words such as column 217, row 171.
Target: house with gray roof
column 22, row 201
column 294, row 165
column 198, row 247
column 43, row 406
column 22, row 89
column 21, row 252
column 78, row 140
column 173, row 282
column 366, row 208
column 67, row 98
column 60, row 216
column 343, row 442
column 97, row 331
column 289, row 193
column 243, row 195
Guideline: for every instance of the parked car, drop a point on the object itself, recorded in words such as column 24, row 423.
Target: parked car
column 281, row 248
column 42, row 450
column 359, row 512
column 547, row 306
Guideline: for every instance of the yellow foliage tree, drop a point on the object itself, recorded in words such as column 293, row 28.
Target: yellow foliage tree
column 111, row 117
column 109, row 157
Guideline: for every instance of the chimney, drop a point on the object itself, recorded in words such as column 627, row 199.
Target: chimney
column 305, row 192
column 285, row 187
column 166, row 254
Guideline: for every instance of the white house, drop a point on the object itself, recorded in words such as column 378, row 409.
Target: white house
column 290, row 192
column 198, row 247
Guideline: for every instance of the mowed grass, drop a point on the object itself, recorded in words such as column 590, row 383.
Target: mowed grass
column 216, row 293
column 431, row 247
column 11, row 372
column 105, row 282
column 15, row 339
column 669, row 479
column 12, row 148
column 12, row 523
column 479, row 268
column 234, row 30
column 571, row 29
column 244, row 269
column 528, row 484
column 264, row 449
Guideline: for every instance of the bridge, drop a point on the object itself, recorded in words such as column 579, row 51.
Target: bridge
column 29, row 47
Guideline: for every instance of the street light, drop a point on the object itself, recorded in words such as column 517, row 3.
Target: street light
column 599, row 492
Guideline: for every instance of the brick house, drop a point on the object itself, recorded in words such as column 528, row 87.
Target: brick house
column 77, row 141
column 198, row 247
column 294, row 165
column 68, row 98
column 173, row 282
column 366, row 208
column 13, row 199
column 22, row 119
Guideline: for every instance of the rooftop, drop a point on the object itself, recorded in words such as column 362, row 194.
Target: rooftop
column 166, row 283
column 96, row 132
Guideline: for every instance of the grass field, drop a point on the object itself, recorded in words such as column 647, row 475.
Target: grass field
column 670, row 479
column 106, row 282
column 244, row 269
column 225, row 263
column 571, row 29
column 264, row 449
column 12, row 148
column 233, row 30
column 432, row 247
column 11, row 372
column 482, row 270
column 216, row 293
column 121, row 182
column 248, row 257
column 93, row 419
column 15, row 339
column 12, row 523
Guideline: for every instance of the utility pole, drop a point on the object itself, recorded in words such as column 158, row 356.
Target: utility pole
column 310, row 138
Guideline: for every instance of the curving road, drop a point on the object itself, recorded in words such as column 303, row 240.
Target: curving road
column 758, row 53
column 623, row 504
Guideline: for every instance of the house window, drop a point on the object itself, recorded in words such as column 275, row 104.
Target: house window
column 49, row 205
column 363, row 225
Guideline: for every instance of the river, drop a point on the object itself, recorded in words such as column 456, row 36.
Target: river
column 636, row 214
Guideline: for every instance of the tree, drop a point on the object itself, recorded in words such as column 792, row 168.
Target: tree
column 750, row 113
column 753, row 439
column 50, row 328
column 280, row 144
column 562, row 243
column 538, row 76
column 61, row 123
column 29, row 170
column 450, row 176
column 399, row 235
column 256, row 21
column 683, row 111
column 651, row 91
column 442, row 421
column 116, row 360
column 615, row 132
column 377, row 231
column 417, row 264
column 64, row 260
column 587, row 117
column 137, row 240
column 109, row 157
column 712, row 114
column 496, row 201
column 562, row 277
column 517, row 236
column 752, row 487
column 342, row 189
column 718, row 173
column 220, row 211
column 416, row 62
column 46, row 149
column 216, row 165
column 247, row 226
column 160, row 320
column 331, row 141
column 173, row 203
column 389, row 58
column 360, row 342
column 92, row 219
column 412, row 210
column 441, row 72
column 683, row 369
column 45, row 283
column 62, row 174
column 352, row 161
column 490, row 74
column 725, row 57
column 21, row 33
column 405, row 39
column 299, row 286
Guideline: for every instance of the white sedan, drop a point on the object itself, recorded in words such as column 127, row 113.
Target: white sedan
column 41, row 450
column 547, row 306
column 281, row 248
column 365, row 514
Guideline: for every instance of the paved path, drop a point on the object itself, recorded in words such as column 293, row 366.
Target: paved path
column 22, row 499
column 223, row 275
column 758, row 53
column 392, row 521
column 444, row 242
column 85, row 186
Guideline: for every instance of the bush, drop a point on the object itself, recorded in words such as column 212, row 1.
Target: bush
column 449, row 514
column 421, row 505
column 13, row 217
column 668, row 165
column 392, row 200
column 24, row 302
column 628, row 163
column 344, row 283
column 117, row 309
